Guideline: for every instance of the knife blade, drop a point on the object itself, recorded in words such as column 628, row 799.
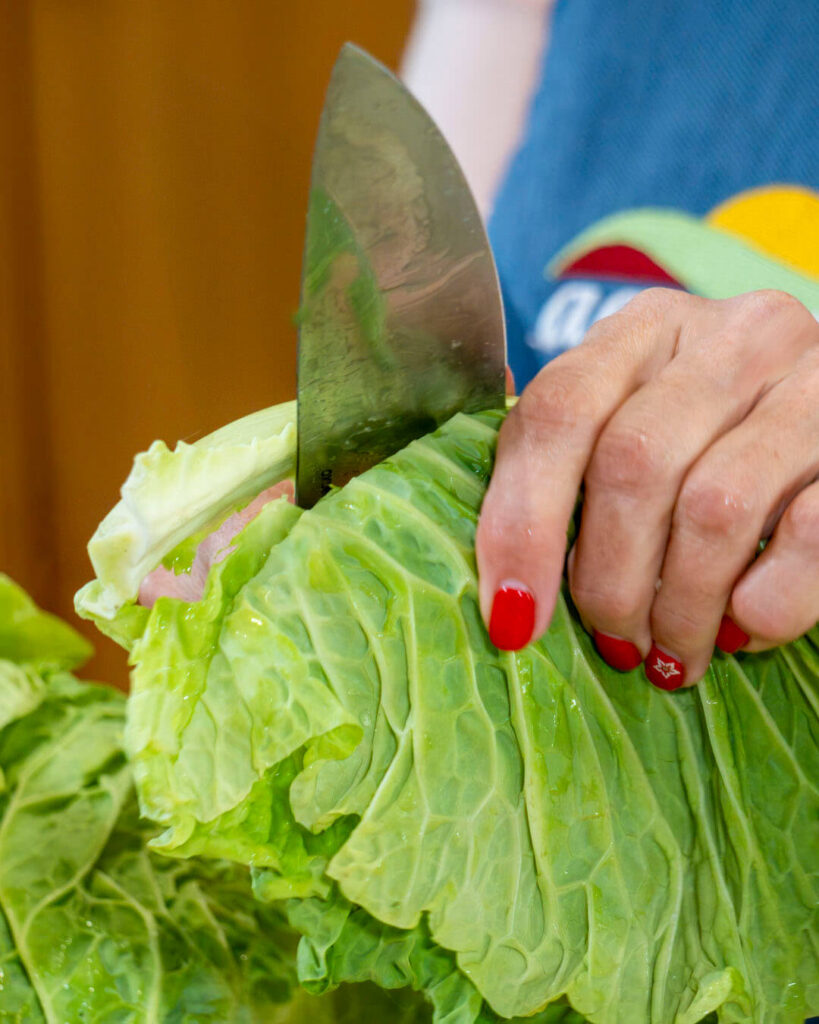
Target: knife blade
column 401, row 322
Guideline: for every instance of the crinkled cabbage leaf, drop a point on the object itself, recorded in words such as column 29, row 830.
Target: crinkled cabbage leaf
column 510, row 833
column 172, row 495
column 93, row 925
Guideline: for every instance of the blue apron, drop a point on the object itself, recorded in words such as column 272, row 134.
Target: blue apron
column 679, row 107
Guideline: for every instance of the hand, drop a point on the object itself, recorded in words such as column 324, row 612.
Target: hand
column 694, row 426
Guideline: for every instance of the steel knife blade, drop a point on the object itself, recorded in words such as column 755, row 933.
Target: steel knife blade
column 401, row 321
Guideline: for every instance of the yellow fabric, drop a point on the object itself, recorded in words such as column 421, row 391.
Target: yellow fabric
column 781, row 220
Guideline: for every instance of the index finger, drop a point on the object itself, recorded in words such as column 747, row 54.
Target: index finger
column 544, row 447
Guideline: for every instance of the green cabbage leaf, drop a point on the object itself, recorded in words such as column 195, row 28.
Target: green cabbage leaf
column 510, row 834
column 32, row 644
column 172, row 494
column 94, row 926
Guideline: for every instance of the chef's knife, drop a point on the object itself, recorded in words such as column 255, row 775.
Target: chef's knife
column 401, row 322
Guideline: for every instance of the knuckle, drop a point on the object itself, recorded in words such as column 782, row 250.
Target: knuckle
column 767, row 304
column 559, row 399
column 615, row 605
column 492, row 525
column 644, row 311
column 501, row 519
column 713, row 508
column 800, row 522
column 773, row 301
column 653, row 301
column 500, row 538
column 674, row 626
column 630, row 460
column 800, row 397
column 769, row 622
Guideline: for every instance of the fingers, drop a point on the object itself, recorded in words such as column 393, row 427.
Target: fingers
column 777, row 600
column 543, row 450
column 725, row 505
column 641, row 479
column 693, row 423
column 642, row 457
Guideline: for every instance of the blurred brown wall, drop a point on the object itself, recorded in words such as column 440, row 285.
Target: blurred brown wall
column 153, row 180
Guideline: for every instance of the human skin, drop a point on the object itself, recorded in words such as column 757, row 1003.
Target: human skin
column 693, row 426
column 474, row 66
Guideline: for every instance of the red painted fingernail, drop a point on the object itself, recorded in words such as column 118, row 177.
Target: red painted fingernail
column 513, row 617
column 620, row 654
column 664, row 670
column 730, row 637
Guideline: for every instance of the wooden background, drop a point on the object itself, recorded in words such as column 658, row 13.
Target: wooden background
column 153, row 180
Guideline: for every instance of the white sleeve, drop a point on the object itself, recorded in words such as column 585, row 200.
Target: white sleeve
column 474, row 65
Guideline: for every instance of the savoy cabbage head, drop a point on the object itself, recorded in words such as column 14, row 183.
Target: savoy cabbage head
column 510, row 834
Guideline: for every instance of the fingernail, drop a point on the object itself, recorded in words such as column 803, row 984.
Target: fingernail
column 513, row 616
column 620, row 654
column 664, row 670
column 730, row 637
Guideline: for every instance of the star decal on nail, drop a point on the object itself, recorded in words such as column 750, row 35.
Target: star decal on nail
column 667, row 669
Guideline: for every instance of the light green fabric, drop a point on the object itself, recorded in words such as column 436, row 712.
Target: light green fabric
column 703, row 258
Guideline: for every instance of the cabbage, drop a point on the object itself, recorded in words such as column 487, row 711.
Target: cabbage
column 510, row 834
column 93, row 925
column 171, row 495
column 32, row 644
